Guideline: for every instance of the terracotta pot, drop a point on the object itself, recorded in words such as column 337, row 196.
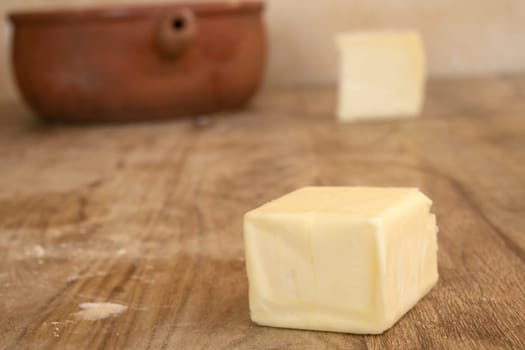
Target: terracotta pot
column 132, row 63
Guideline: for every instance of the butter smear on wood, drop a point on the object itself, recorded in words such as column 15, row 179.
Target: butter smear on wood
column 344, row 259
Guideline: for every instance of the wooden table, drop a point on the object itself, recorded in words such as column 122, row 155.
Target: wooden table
column 149, row 216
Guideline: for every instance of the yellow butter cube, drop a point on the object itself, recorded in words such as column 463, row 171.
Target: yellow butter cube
column 345, row 259
column 382, row 75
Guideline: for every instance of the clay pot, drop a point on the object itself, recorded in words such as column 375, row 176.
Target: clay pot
column 136, row 63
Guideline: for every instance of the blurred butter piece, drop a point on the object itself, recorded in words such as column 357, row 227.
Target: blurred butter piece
column 344, row 259
column 382, row 75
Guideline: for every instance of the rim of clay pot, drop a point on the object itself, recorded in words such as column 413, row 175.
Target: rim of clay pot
column 128, row 11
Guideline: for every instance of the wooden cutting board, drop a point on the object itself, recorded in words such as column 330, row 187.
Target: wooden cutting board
column 148, row 216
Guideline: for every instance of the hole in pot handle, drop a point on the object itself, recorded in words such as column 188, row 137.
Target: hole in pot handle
column 175, row 33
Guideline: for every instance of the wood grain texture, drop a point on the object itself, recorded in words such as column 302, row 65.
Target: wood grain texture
column 149, row 216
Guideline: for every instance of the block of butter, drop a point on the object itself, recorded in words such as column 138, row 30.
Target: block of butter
column 382, row 75
column 344, row 259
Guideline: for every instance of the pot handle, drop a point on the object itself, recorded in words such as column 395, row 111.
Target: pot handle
column 175, row 33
